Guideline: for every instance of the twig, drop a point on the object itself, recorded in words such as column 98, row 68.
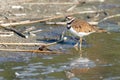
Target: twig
column 108, row 17
column 21, row 1
column 31, row 44
column 64, row 23
column 39, row 30
column 23, row 44
column 14, row 30
column 52, row 3
column 1, row 21
column 29, row 29
column 71, row 8
column 15, row 23
column 75, row 5
column 56, row 23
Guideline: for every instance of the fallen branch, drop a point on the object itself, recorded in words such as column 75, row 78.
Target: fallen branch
column 33, row 51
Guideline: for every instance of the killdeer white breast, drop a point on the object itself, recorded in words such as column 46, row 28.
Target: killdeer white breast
column 80, row 28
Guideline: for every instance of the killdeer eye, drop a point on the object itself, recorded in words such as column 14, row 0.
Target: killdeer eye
column 66, row 17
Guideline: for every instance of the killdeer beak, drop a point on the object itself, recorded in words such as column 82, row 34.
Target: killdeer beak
column 65, row 19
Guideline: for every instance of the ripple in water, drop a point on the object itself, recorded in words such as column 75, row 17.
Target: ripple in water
column 82, row 63
column 113, row 78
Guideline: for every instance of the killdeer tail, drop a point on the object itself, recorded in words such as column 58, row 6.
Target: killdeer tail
column 102, row 31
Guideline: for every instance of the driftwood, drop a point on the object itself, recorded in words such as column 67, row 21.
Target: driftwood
column 33, row 51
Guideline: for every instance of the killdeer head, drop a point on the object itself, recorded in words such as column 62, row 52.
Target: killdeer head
column 69, row 20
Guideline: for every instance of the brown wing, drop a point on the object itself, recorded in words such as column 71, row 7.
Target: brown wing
column 83, row 26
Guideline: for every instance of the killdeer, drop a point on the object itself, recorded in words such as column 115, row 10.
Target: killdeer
column 80, row 28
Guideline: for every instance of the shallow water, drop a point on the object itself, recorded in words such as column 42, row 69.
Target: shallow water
column 98, row 60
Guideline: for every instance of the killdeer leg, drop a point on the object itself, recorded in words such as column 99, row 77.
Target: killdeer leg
column 76, row 45
column 62, row 36
column 80, row 46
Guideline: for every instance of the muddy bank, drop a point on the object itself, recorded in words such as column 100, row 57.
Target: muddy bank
column 31, row 9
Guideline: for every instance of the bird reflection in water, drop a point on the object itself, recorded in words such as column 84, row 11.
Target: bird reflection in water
column 79, row 66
